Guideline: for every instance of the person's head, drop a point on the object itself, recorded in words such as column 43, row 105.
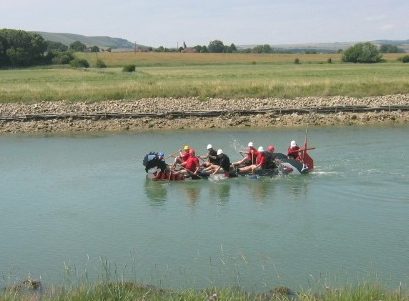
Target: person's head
column 271, row 148
column 186, row 148
column 209, row 147
column 219, row 152
column 192, row 152
column 250, row 144
column 293, row 144
column 260, row 149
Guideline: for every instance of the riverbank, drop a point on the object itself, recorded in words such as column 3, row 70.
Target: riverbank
column 177, row 113
column 135, row 291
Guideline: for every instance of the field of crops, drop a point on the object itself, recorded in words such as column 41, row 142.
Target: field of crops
column 203, row 76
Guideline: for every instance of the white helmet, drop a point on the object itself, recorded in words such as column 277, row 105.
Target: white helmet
column 292, row 143
column 219, row 151
column 250, row 144
column 209, row 146
column 260, row 149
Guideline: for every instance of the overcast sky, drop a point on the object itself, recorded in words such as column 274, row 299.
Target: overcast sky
column 159, row 22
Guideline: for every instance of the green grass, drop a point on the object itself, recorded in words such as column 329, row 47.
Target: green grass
column 125, row 291
column 218, row 80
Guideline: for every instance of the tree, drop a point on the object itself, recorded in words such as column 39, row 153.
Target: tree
column 78, row 46
column 233, row 48
column 387, row 48
column 204, row 49
column 56, row 46
column 21, row 48
column 262, row 49
column 362, row 53
column 3, row 49
column 94, row 49
column 216, row 46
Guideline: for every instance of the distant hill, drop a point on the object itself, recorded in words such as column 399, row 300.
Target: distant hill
column 100, row 41
column 330, row 47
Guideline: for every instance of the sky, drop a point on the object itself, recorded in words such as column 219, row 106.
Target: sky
column 197, row 22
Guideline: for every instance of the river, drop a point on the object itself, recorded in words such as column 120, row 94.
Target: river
column 80, row 207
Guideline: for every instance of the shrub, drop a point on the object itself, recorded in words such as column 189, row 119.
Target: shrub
column 100, row 64
column 129, row 68
column 362, row 53
column 79, row 63
column 78, row 46
column 61, row 58
column 297, row 61
column 404, row 59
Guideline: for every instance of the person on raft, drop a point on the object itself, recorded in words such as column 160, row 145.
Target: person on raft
column 223, row 164
column 183, row 156
column 249, row 159
column 191, row 166
column 154, row 159
column 211, row 157
column 293, row 151
column 259, row 164
column 270, row 157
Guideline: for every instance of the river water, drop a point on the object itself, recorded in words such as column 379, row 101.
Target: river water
column 81, row 208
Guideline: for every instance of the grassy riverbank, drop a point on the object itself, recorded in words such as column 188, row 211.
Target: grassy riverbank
column 235, row 76
column 132, row 291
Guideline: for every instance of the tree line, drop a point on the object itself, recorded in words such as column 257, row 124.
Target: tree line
column 19, row 48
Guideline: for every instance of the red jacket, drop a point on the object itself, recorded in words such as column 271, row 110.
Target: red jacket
column 293, row 151
column 191, row 164
column 261, row 159
column 252, row 155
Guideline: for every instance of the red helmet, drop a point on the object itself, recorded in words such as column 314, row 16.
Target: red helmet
column 192, row 152
column 271, row 148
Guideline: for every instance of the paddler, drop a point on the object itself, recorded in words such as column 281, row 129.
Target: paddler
column 211, row 156
column 223, row 165
column 270, row 157
column 260, row 162
column 191, row 165
column 293, row 150
column 183, row 155
column 250, row 157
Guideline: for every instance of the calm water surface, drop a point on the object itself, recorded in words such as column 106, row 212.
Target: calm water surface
column 78, row 206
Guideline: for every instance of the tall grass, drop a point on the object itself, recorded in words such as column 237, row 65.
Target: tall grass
column 124, row 291
column 203, row 81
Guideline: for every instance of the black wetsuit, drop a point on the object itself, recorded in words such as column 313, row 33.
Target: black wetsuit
column 224, row 162
column 270, row 164
column 213, row 156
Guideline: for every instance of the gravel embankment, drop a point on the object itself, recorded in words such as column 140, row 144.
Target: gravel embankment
column 163, row 105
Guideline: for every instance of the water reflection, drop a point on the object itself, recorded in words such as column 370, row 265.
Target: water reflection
column 296, row 186
column 156, row 192
column 220, row 191
column 192, row 191
column 260, row 188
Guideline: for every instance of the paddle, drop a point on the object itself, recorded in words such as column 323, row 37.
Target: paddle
column 172, row 155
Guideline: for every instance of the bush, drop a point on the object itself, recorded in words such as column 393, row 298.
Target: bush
column 78, row 46
column 362, row 53
column 79, row 63
column 61, row 58
column 404, row 59
column 129, row 68
column 297, row 61
column 100, row 64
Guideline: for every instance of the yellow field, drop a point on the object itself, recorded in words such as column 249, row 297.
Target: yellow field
column 116, row 59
